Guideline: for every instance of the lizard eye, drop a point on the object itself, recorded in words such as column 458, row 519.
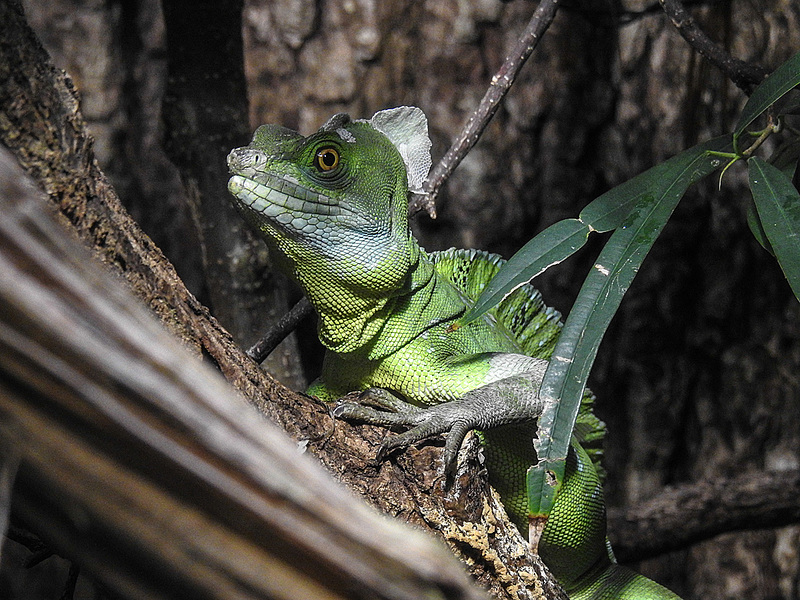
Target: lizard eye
column 326, row 159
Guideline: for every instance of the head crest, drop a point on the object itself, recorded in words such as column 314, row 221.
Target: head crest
column 407, row 128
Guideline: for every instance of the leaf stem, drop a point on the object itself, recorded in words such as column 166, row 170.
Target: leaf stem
column 774, row 125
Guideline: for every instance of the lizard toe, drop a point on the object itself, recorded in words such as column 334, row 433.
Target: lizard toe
column 383, row 399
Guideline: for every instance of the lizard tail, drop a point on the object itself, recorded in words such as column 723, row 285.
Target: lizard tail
column 574, row 544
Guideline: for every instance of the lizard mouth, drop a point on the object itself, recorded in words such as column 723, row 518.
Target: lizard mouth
column 281, row 198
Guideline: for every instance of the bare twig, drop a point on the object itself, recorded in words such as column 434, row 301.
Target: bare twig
column 278, row 332
column 501, row 83
column 744, row 75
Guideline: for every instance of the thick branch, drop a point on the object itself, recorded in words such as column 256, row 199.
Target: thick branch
column 689, row 514
column 41, row 124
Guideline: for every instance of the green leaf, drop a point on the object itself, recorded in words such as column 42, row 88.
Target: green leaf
column 757, row 229
column 655, row 195
column 784, row 158
column 564, row 238
column 783, row 79
column 778, row 205
column 542, row 486
column 550, row 247
column 610, row 210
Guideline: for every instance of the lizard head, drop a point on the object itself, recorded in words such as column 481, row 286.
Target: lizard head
column 334, row 204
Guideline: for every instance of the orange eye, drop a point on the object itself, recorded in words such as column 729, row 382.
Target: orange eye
column 327, row 159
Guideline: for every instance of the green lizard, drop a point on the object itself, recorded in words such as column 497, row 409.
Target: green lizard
column 333, row 206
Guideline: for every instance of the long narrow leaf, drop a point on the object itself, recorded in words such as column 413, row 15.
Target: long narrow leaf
column 757, row 229
column 564, row 238
column 783, row 79
column 596, row 305
column 778, row 205
column 612, row 209
column 548, row 248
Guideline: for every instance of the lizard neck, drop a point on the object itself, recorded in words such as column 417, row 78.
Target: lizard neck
column 374, row 324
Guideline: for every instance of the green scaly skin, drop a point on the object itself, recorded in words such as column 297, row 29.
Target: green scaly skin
column 333, row 207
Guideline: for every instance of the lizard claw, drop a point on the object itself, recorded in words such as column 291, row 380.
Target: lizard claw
column 377, row 406
column 432, row 422
column 502, row 402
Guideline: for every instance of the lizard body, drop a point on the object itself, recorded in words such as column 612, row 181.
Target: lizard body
column 333, row 206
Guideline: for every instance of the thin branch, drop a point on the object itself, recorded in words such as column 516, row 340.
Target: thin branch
column 744, row 75
column 278, row 332
column 688, row 514
column 501, row 83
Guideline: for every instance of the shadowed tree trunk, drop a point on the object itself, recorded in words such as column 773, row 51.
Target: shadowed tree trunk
column 205, row 115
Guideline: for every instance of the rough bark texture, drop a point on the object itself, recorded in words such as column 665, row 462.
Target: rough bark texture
column 696, row 378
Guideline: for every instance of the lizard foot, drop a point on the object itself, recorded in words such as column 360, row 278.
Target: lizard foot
column 377, row 401
column 503, row 402
column 377, row 406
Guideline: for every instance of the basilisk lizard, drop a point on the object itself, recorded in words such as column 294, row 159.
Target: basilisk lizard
column 333, row 207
